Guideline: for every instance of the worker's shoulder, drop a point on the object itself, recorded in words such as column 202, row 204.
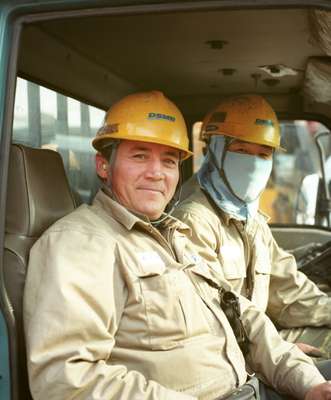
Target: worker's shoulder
column 86, row 219
column 197, row 204
column 262, row 218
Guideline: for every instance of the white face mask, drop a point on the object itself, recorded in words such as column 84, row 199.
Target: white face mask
column 247, row 175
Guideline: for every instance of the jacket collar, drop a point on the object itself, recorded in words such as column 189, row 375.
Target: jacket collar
column 129, row 219
column 203, row 198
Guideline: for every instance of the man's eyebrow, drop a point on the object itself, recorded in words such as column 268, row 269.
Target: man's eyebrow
column 266, row 147
column 140, row 148
column 239, row 141
column 172, row 153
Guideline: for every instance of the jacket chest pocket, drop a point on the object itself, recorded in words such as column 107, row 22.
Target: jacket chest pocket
column 170, row 303
column 262, row 270
column 233, row 267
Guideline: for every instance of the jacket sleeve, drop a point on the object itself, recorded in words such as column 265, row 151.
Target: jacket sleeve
column 278, row 363
column 294, row 300
column 73, row 301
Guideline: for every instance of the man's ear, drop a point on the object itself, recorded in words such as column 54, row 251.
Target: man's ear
column 101, row 166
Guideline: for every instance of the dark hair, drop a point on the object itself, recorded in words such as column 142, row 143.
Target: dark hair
column 106, row 152
column 108, row 148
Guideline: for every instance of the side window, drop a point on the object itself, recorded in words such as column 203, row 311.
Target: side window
column 198, row 146
column 292, row 190
column 287, row 198
column 47, row 119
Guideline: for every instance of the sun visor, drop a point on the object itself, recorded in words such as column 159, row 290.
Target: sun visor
column 317, row 84
column 320, row 27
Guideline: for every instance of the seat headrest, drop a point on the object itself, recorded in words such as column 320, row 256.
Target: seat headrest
column 38, row 192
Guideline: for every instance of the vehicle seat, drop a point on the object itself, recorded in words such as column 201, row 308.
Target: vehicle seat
column 38, row 194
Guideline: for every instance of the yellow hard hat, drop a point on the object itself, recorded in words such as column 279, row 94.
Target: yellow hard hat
column 145, row 117
column 246, row 117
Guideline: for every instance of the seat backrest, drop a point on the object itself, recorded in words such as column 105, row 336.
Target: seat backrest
column 38, row 194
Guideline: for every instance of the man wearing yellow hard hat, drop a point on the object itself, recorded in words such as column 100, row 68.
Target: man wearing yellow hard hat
column 117, row 303
column 242, row 133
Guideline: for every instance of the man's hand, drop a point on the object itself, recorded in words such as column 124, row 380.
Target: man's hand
column 310, row 350
column 319, row 392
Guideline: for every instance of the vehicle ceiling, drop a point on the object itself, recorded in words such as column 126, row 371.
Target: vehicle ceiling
column 195, row 57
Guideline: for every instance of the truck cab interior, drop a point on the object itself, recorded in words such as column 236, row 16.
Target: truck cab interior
column 64, row 63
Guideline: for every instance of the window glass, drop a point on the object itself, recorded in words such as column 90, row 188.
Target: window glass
column 47, row 119
column 295, row 184
column 198, row 146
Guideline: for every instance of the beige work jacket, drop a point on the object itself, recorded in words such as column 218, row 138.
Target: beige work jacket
column 249, row 258
column 115, row 310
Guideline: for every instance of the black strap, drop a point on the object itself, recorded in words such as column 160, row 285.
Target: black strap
column 230, row 305
column 231, row 308
column 249, row 391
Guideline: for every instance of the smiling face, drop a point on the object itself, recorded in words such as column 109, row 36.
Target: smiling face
column 143, row 176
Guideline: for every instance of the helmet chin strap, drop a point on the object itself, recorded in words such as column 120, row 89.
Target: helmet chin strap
column 173, row 202
column 171, row 205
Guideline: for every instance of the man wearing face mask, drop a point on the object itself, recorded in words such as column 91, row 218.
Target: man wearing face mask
column 232, row 234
